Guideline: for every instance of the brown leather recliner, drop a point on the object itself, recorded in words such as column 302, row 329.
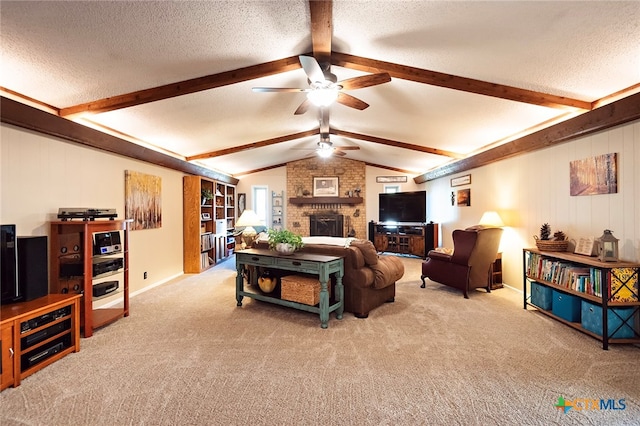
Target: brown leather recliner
column 474, row 251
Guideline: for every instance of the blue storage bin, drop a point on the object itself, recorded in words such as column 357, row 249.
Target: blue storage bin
column 541, row 295
column 566, row 306
column 592, row 320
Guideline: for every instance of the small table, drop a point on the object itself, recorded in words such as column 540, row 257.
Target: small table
column 496, row 273
column 317, row 264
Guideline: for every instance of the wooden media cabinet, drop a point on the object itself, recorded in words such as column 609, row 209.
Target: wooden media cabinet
column 37, row 333
column 414, row 239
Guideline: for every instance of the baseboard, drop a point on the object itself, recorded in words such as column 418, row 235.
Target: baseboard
column 512, row 288
column 142, row 290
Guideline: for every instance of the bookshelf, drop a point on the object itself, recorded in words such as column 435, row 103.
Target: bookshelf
column 207, row 223
column 603, row 297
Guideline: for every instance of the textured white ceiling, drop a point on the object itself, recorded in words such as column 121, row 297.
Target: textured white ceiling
column 68, row 53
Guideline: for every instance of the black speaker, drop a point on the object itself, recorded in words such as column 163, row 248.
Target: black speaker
column 33, row 272
column 372, row 226
column 430, row 237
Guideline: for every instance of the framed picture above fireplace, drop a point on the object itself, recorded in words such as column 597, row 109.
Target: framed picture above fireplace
column 325, row 187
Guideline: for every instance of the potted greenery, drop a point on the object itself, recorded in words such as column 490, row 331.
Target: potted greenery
column 206, row 194
column 284, row 241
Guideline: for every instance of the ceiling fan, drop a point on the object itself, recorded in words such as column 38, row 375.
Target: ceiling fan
column 325, row 147
column 325, row 88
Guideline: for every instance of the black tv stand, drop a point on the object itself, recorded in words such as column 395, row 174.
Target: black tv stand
column 404, row 238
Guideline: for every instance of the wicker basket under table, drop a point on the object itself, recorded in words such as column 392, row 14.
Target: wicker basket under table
column 302, row 289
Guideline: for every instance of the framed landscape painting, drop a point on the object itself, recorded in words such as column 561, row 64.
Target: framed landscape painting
column 595, row 175
column 143, row 200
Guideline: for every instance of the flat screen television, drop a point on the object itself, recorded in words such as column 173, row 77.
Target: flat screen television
column 403, row 207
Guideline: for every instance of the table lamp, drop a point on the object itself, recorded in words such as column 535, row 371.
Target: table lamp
column 248, row 219
column 491, row 219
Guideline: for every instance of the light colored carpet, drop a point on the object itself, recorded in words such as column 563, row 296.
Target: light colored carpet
column 187, row 355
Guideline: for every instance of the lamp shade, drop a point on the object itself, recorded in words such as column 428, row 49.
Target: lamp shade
column 248, row 218
column 491, row 219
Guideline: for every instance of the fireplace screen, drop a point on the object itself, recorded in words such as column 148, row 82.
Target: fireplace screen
column 326, row 225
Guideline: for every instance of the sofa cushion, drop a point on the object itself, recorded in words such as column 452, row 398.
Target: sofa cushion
column 368, row 251
column 388, row 270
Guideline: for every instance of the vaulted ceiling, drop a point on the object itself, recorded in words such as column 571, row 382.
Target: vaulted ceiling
column 177, row 77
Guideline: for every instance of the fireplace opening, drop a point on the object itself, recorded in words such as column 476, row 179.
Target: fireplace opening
column 326, row 225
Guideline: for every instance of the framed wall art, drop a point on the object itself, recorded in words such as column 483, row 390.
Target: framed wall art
column 463, row 197
column 242, row 203
column 143, row 200
column 325, row 187
column 461, row 180
column 595, row 175
column 390, row 179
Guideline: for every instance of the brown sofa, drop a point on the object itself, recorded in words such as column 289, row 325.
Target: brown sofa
column 369, row 279
column 474, row 251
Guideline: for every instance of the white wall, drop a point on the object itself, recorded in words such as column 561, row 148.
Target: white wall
column 531, row 189
column 40, row 174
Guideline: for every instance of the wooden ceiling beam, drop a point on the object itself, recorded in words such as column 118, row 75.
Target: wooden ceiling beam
column 611, row 115
column 396, row 144
column 183, row 87
column 253, row 145
column 27, row 117
column 449, row 81
column 321, row 29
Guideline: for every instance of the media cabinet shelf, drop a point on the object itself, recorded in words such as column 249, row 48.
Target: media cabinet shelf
column 52, row 323
column 72, row 242
column 326, row 200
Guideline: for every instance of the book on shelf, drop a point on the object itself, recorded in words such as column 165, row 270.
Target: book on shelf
column 564, row 274
column 207, row 242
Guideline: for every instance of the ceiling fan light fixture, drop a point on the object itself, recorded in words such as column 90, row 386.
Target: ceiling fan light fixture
column 323, row 97
column 324, row 149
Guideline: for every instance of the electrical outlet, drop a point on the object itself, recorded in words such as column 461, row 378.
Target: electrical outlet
column 145, row 275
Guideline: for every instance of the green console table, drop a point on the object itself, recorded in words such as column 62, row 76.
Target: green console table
column 320, row 265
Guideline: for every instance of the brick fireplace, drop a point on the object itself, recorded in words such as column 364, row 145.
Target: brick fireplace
column 351, row 176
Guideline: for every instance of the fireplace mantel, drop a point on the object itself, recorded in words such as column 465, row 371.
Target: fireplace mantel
column 326, row 200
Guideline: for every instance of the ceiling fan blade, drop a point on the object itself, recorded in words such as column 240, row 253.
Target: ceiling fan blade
column 339, row 153
column 352, row 102
column 304, row 107
column 365, row 81
column 346, row 148
column 312, row 68
column 278, row 89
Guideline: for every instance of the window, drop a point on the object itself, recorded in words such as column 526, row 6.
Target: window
column 391, row 189
column 261, row 202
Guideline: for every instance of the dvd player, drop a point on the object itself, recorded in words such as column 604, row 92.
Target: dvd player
column 107, row 266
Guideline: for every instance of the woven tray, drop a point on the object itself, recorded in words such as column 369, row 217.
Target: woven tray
column 551, row 245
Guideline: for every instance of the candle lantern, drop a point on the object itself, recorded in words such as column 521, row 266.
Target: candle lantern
column 607, row 247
